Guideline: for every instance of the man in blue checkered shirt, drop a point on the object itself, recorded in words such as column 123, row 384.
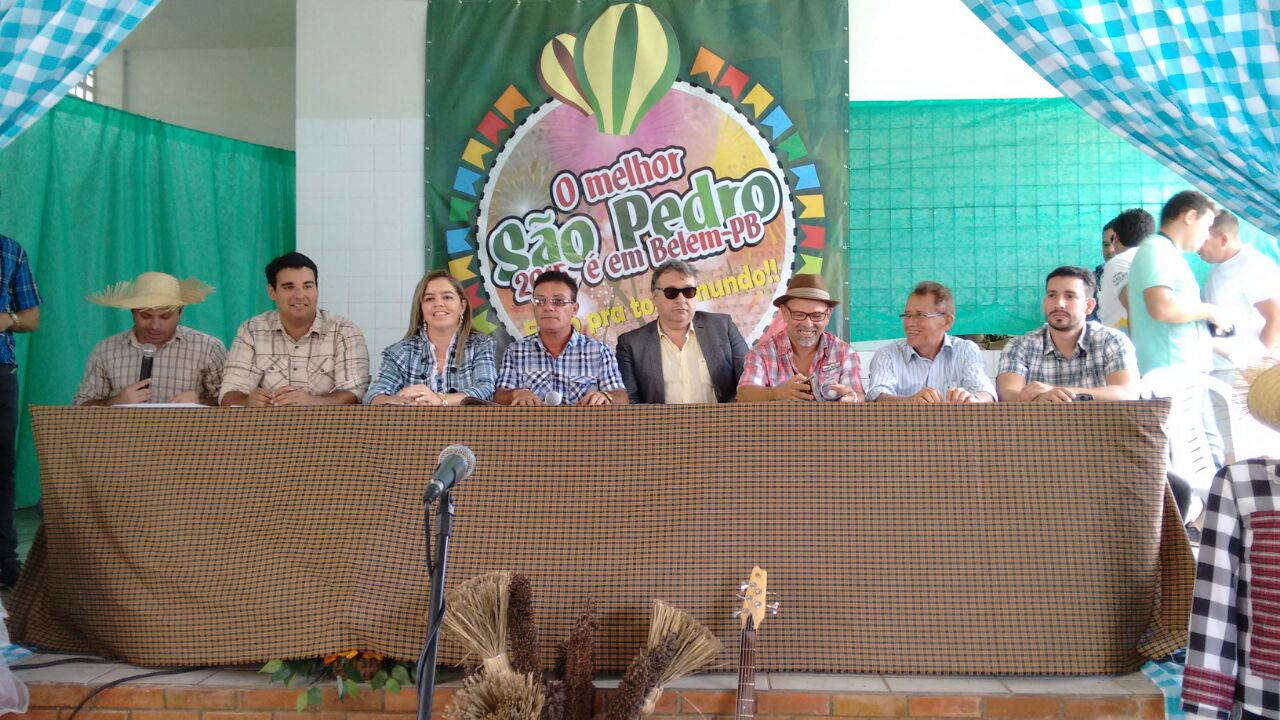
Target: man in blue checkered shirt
column 21, row 314
column 558, row 363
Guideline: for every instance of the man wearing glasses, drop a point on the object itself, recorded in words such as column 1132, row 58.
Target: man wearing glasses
column 1068, row 358
column 804, row 362
column 929, row 365
column 558, row 363
column 684, row 356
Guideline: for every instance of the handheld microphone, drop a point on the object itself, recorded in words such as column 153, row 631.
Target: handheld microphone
column 553, row 397
column 148, row 357
column 457, row 462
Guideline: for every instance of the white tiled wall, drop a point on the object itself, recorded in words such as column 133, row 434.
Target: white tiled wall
column 360, row 218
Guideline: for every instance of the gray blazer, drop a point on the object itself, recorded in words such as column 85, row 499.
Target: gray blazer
column 640, row 358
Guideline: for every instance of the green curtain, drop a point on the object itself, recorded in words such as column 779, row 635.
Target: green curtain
column 986, row 197
column 96, row 196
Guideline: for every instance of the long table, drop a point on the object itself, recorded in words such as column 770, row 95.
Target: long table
column 996, row 539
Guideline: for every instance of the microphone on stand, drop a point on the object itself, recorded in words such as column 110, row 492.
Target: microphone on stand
column 457, row 462
column 148, row 357
column 553, row 397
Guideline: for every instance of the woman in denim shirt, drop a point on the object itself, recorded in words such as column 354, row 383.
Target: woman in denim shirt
column 441, row 360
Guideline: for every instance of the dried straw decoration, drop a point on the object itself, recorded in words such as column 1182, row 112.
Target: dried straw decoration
column 1264, row 393
column 477, row 617
column 640, row 680
column 497, row 695
column 522, row 630
column 695, row 646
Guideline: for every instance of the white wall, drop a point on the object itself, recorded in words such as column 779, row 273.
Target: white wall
column 932, row 49
column 360, row 79
column 243, row 93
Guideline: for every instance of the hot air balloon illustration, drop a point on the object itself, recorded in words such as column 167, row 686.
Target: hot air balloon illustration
column 626, row 61
column 557, row 74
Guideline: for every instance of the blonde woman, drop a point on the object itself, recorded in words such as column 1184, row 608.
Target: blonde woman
column 441, row 360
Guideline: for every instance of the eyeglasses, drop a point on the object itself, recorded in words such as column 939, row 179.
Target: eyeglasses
column 554, row 302
column 921, row 315
column 670, row 293
column 813, row 317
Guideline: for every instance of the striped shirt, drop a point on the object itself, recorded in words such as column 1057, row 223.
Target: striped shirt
column 17, row 288
column 768, row 364
column 585, row 365
column 1100, row 351
column 191, row 360
column 899, row 370
column 330, row 357
column 412, row 361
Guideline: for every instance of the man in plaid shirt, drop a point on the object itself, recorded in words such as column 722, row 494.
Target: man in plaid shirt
column 804, row 362
column 557, row 360
column 21, row 313
column 1234, row 655
column 1068, row 358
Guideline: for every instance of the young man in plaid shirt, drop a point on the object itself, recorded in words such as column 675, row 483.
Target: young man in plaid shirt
column 1068, row 358
column 21, row 313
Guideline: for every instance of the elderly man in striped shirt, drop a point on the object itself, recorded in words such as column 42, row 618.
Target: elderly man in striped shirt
column 929, row 365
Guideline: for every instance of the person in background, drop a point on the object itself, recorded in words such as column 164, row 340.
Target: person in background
column 1246, row 285
column 1108, row 252
column 296, row 354
column 441, row 359
column 1129, row 229
column 187, row 364
column 21, row 315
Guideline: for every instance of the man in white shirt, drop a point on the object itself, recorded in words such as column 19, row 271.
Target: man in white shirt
column 1130, row 227
column 1246, row 285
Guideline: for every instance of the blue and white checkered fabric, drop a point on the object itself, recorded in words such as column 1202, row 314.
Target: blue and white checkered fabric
column 1167, row 676
column 47, row 46
column 1193, row 83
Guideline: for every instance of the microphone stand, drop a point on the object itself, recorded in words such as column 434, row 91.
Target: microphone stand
column 435, row 609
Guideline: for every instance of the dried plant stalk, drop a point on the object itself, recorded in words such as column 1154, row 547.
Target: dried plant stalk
column 577, row 657
column 522, row 630
column 695, row 645
column 640, row 681
column 553, row 707
column 502, row 695
column 477, row 617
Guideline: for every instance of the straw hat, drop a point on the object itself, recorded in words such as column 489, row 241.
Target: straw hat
column 806, row 286
column 152, row 290
column 1264, row 395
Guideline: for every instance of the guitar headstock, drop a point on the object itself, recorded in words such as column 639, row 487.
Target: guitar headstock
column 754, row 602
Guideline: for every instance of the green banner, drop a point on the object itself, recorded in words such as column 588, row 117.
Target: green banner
column 605, row 138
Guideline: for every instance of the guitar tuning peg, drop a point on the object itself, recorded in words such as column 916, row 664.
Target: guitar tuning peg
column 737, row 613
column 741, row 597
column 743, row 587
column 770, row 592
column 773, row 608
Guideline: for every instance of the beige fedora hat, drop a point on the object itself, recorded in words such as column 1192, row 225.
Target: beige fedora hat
column 806, row 286
column 152, row 290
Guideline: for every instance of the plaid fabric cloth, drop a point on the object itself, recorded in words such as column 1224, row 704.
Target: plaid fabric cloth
column 1234, row 655
column 190, row 361
column 1192, row 84
column 47, row 46
column 329, row 358
column 768, row 364
column 267, row 538
column 898, row 369
column 1100, row 351
column 17, row 288
column 585, row 365
column 412, row 362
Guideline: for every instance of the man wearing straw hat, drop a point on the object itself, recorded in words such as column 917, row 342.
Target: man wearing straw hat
column 803, row 362
column 187, row 364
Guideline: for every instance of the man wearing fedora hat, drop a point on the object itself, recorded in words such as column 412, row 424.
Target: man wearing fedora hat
column 804, row 362
column 187, row 364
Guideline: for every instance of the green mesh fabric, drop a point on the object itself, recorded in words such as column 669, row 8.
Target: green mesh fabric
column 986, row 197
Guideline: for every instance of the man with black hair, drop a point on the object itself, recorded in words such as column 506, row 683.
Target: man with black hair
column 1130, row 228
column 1246, row 284
column 1068, row 358
column 1166, row 316
column 558, row 360
column 296, row 354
